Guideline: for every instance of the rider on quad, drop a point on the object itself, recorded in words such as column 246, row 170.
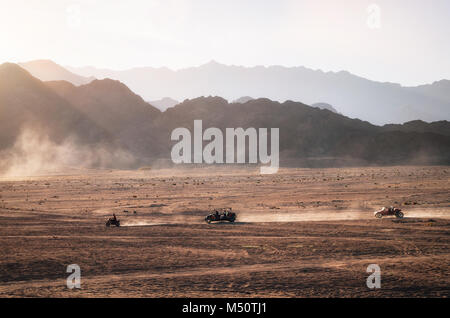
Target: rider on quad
column 113, row 221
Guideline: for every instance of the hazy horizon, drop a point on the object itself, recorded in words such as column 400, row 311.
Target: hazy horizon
column 401, row 42
column 72, row 68
column 234, row 65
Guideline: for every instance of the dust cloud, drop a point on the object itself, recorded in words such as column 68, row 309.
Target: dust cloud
column 35, row 154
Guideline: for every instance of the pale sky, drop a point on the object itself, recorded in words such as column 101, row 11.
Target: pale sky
column 404, row 41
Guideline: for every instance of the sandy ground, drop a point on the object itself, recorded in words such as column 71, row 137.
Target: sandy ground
column 299, row 233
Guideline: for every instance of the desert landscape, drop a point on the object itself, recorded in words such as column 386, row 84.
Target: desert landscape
column 222, row 150
column 299, row 233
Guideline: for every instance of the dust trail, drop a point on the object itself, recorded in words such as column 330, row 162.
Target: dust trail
column 253, row 217
column 143, row 223
column 283, row 217
column 169, row 220
column 441, row 213
column 316, row 216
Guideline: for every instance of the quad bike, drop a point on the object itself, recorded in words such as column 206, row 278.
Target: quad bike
column 388, row 212
column 224, row 215
column 112, row 222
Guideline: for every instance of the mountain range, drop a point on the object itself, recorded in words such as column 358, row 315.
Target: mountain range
column 164, row 103
column 105, row 114
column 47, row 70
column 27, row 101
column 351, row 95
column 40, row 129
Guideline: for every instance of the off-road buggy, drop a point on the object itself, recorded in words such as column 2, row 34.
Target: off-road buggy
column 221, row 215
column 388, row 212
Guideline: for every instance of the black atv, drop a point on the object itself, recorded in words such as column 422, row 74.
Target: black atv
column 112, row 222
column 221, row 216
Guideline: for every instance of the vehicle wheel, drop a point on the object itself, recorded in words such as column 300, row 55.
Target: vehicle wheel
column 399, row 215
column 378, row 215
column 108, row 224
column 208, row 221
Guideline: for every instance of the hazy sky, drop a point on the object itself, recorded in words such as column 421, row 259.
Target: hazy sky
column 405, row 41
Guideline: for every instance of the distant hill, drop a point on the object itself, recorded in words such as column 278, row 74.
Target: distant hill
column 164, row 103
column 353, row 96
column 243, row 99
column 324, row 106
column 39, row 129
column 438, row 127
column 439, row 90
column 47, row 70
column 27, row 102
column 314, row 137
column 115, row 108
column 105, row 124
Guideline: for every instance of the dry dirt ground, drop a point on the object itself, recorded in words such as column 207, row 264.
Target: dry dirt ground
column 299, row 233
